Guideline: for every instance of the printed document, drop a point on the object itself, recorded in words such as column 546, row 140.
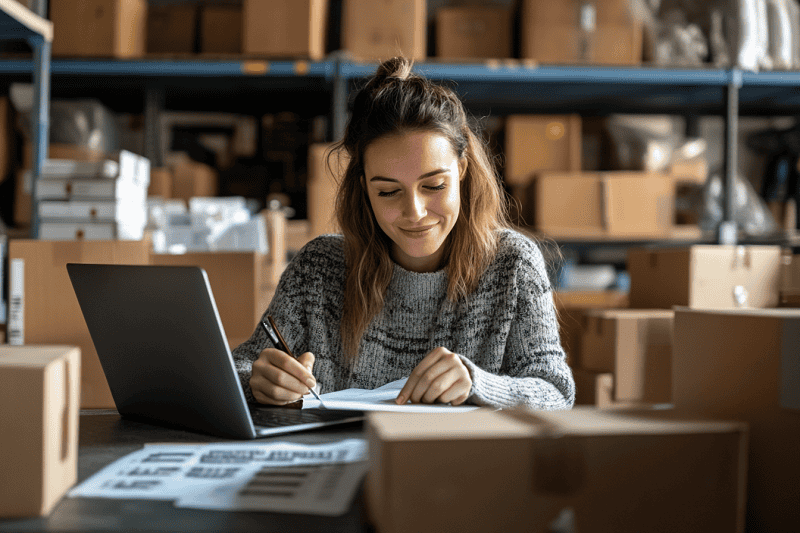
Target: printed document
column 280, row 476
column 380, row 399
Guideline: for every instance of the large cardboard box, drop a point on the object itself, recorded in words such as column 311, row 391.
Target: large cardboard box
column 744, row 364
column 171, row 28
column 39, row 394
column 704, row 276
column 243, row 283
column 99, row 28
column 593, row 388
column 382, row 30
column 473, row 32
column 523, row 471
column 607, row 204
column 633, row 345
column 601, row 32
column 285, row 28
column 160, row 183
column 570, row 306
column 541, row 142
column 221, row 29
column 324, row 175
column 43, row 308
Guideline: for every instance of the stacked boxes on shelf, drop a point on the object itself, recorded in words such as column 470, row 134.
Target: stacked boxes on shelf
column 94, row 200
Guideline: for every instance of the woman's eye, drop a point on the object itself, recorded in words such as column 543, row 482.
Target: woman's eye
column 436, row 187
column 386, row 193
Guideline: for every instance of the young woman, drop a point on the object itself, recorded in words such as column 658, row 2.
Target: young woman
column 427, row 281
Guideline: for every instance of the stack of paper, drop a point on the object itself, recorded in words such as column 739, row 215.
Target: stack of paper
column 93, row 200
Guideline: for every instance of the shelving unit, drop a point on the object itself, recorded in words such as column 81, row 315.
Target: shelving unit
column 18, row 22
column 496, row 87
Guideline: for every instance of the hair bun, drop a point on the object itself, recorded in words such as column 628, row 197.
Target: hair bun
column 398, row 68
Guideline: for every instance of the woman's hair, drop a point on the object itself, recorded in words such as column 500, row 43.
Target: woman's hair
column 397, row 101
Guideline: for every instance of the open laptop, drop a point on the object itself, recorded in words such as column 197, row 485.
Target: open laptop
column 163, row 350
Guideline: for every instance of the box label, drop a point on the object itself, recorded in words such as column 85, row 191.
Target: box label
column 16, row 302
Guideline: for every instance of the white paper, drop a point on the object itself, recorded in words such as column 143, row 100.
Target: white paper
column 221, row 476
column 380, row 399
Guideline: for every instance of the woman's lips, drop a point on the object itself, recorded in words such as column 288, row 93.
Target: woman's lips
column 417, row 232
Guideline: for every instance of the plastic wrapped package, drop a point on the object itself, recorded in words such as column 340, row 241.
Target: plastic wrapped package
column 750, row 212
column 645, row 142
column 86, row 123
column 780, row 34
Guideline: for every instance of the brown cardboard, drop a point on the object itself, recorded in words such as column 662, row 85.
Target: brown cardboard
column 743, row 364
column 381, row 30
column 537, row 143
column 39, row 395
column 704, row 276
column 323, row 182
column 593, row 388
column 473, row 32
column 99, row 28
column 592, row 204
column 285, row 28
column 190, row 178
column 570, row 306
column 171, row 28
column 633, row 345
column 518, row 471
column 790, row 271
column 221, row 29
column 51, row 311
column 243, row 283
column 551, row 32
column 160, row 182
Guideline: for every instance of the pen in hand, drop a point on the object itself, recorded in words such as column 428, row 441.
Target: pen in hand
column 277, row 340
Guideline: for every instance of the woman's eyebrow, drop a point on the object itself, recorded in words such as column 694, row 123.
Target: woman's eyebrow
column 422, row 177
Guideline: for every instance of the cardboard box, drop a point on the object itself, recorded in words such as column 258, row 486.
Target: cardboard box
column 473, row 32
column 160, row 183
column 221, row 29
column 171, row 29
column 99, row 28
column 39, row 393
column 790, row 270
column 324, row 176
column 704, row 276
column 744, row 364
column 285, row 28
column 243, row 283
column 541, row 142
column 381, row 30
column 190, row 178
column 593, row 388
column 522, row 471
column 570, row 306
column 591, row 204
column 633, row 345
column 601, row 32
column 44, row 310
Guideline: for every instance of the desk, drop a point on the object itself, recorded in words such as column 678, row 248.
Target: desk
column 104, row 437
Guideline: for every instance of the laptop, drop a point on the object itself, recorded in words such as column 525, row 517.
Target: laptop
column 163, row 349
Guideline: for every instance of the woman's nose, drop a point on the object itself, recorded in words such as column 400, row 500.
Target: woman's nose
column 414, row 207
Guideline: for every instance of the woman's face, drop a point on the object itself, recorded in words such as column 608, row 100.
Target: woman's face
column 413, row 181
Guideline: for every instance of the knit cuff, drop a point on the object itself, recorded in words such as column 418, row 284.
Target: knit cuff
column 487, row 388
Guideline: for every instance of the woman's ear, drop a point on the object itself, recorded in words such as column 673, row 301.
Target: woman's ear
column 462, row 168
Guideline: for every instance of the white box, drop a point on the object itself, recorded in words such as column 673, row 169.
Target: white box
column 89, row 231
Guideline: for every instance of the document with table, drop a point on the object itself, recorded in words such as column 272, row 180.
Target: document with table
column 280, row 477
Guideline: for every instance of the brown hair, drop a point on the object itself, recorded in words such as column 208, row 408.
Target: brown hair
column 395, row 101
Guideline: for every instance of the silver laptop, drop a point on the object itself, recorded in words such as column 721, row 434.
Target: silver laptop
column 163, row 350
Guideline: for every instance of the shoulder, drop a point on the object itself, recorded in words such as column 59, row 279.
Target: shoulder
column 520, row 256
column 324, row 255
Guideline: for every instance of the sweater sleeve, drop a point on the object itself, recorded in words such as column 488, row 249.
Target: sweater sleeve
column 534, row 373
column 288, row 309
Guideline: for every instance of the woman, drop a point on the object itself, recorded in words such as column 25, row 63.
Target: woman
column 427, row 280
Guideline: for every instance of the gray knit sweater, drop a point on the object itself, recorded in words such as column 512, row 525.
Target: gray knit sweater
column 506, row 332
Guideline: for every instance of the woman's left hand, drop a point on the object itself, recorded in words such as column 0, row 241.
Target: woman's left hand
column 439, row 377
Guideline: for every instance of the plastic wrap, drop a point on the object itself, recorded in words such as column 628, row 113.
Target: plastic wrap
column 86, row 123
column 749, row 212
column 645, row 142
column 780, row 34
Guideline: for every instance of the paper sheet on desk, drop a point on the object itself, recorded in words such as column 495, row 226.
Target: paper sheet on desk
column 380, row 399
column 229, row 476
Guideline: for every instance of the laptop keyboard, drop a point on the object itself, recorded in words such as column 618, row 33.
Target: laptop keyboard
column 271, row 417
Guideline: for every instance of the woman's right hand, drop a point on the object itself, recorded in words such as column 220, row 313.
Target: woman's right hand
column 279, row 379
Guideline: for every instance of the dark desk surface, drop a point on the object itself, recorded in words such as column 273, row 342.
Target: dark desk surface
column 105, row 437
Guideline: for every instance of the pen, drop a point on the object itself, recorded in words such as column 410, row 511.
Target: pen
column 277, row 341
